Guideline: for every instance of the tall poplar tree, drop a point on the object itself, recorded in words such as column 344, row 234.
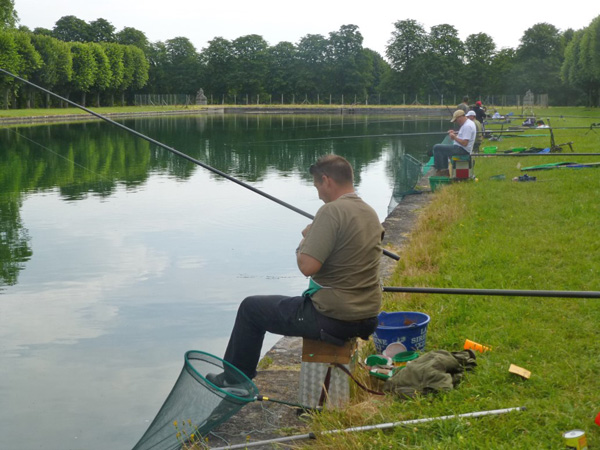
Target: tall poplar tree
column 8, row 15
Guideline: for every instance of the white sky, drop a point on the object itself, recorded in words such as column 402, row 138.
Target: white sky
column 276, row 21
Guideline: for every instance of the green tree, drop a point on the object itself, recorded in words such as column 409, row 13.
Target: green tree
column 57, row 63
column 135, row 73
column 158, row 59
column 538, row 61
column 29, row 61
column 502, row 68
column 42, row 31
column 581, row 66
column 115, row 54
column 101, row 30
column 250, row 64
column 183, row 66
column 407, row 44
column 103, row 78
column 10, row 61
column 313, row 54
column 282, row 70
column 405, row 51
column 380, row 71
column 71, row 29
column 349, row 67
column 443, row 62
column 131, row 36
column 141, row 66
column 479, row 53
column 589, row 61
column 217, row 66
column 572, row 73
column 84, row 68
column 8, row 15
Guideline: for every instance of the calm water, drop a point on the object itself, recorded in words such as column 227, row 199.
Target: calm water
column 118, row 257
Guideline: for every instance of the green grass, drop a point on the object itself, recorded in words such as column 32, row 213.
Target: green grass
column 503, row 235
column 9, row 113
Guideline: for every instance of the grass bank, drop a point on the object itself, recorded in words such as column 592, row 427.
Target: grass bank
column 501, row 234
column 44, row 112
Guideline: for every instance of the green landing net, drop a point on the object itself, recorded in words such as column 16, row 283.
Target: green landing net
column 406, row 175
column 195, row 406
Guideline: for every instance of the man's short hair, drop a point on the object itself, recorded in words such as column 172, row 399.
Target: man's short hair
column 334, row 166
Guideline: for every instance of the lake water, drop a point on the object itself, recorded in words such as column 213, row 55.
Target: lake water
column 118, row 256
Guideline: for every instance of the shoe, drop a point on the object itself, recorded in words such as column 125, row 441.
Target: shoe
column 220, row 381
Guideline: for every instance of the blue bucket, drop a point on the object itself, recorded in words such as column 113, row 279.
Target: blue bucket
column 406, row 328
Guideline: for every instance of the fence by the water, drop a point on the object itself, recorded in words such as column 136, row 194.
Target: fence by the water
column 521, row 101
column 164, row 99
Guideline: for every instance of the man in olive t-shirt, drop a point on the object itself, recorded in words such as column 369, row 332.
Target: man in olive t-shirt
column 341, row 251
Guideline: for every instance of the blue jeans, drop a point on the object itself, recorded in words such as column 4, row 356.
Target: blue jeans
column 441, row 153
column 288, row 316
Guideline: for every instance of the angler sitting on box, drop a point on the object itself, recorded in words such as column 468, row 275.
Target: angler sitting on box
column 341, row 251
column 462, row 145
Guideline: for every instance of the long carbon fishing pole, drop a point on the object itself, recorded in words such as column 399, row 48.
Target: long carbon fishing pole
column 522, row 129
column 362, row 136
column 381, row 426
column 535, row 154
column 176, row 152
column 496, row 292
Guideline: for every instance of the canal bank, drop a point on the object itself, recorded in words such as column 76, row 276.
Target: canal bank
column 279, row 370
column 75, row 114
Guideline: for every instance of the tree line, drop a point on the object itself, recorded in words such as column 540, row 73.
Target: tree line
column 93, row 59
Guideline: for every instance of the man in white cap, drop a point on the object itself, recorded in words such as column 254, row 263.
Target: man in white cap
column 462, row 145
column 472, row 115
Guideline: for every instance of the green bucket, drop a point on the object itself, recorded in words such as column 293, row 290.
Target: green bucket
column 437, row 182
column 490, row 150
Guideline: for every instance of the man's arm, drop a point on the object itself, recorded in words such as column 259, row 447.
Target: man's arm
column 307, row 264
column 454, row 136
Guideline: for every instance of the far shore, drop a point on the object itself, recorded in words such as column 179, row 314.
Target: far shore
column 27, row 116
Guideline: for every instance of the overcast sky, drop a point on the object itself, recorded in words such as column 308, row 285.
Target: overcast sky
column 276, row 21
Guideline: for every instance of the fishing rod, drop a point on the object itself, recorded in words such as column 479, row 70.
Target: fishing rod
column 326, row 138
column 359, row 122
column 177, row 152
column 496, row 292
column 522, row 129
column 534, row 154
column 381, row 426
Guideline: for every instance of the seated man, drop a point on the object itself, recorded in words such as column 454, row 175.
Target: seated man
column 479, row 136
column 463, row 143
column 341, row 251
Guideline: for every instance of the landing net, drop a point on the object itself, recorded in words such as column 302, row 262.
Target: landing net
column 195, row 406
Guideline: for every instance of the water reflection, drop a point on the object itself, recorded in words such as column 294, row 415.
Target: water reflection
column 117, row 256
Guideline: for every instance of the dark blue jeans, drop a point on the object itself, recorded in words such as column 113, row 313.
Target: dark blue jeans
column 288, row 316
column 441, row 153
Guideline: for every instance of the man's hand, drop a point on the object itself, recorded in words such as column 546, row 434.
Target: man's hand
column 305, row 231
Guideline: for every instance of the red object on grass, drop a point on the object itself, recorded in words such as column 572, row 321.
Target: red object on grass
column 597, row 420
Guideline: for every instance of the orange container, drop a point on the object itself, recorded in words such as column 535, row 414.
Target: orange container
column 475, row 346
